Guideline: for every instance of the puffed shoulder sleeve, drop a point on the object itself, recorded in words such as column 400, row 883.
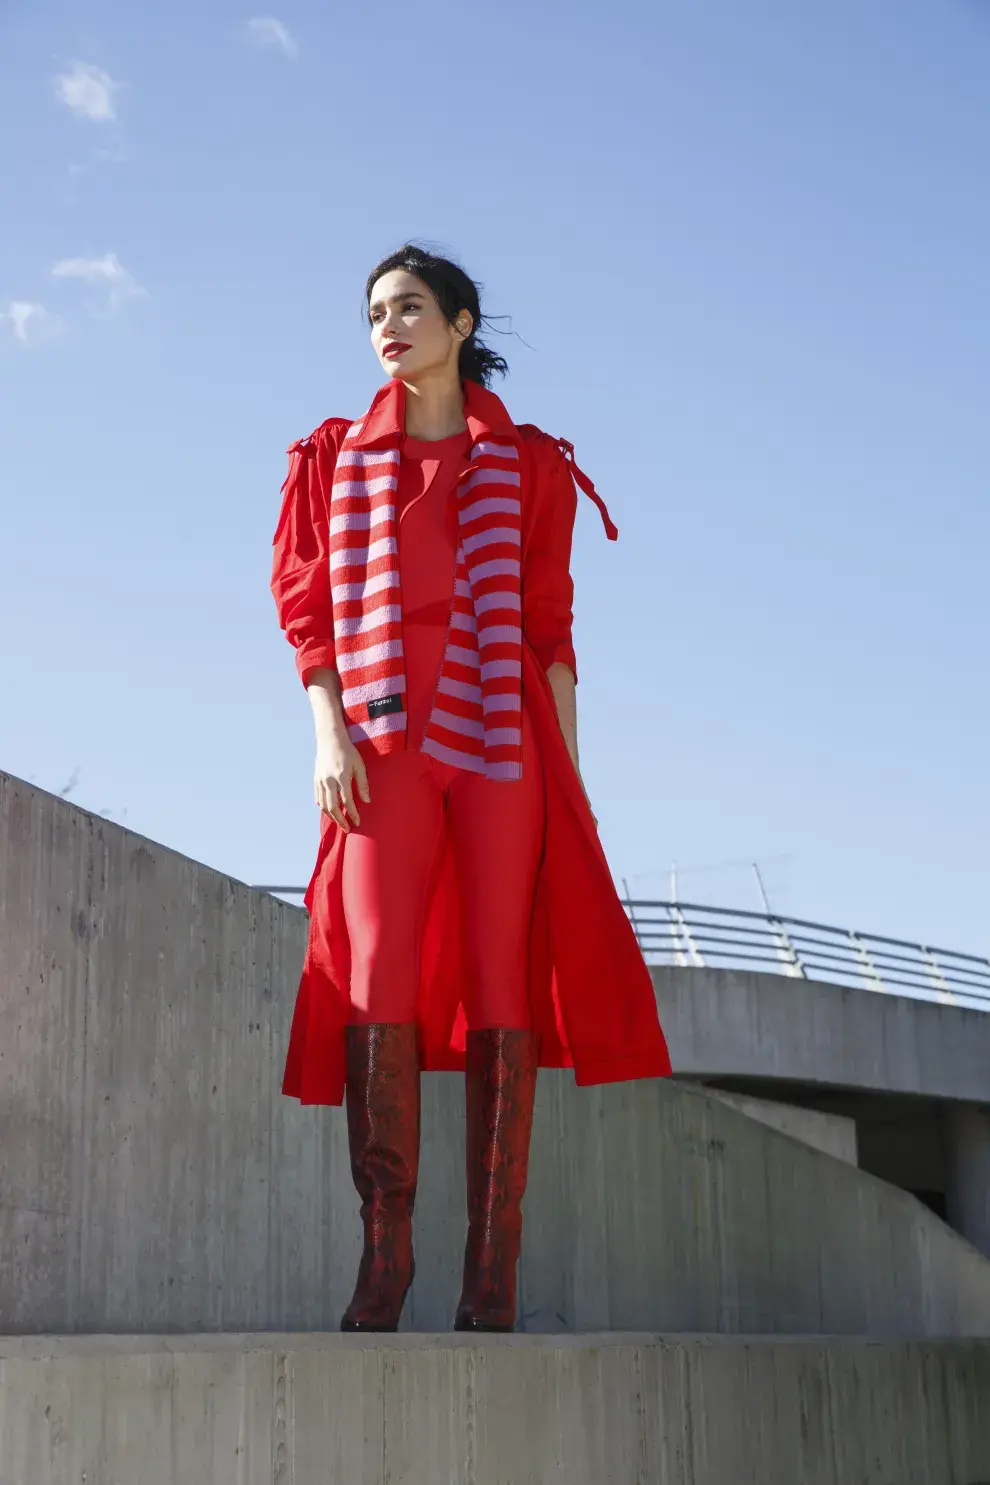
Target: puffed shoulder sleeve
column 301, row 559
column 547, row 586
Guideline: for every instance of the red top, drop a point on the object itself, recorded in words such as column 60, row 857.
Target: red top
column 428, row 473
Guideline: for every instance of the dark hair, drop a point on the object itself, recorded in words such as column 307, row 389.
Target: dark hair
column 453, row 291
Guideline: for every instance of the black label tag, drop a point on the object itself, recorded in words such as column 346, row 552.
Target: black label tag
column 385, row 704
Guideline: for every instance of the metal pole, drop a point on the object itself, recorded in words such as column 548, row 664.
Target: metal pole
column 676, row 919
column 632, row 914
column 763, row 890
column 786, row 951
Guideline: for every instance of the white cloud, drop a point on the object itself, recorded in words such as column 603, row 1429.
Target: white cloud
column 109, row 273
column 20, row 313
column 30, row 324
column 266, row 31
column 88, row 91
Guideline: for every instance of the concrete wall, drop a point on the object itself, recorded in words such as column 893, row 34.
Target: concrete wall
column 153, row 1178
column 607, row 1410
column 831, row 1133
column 734, row 1023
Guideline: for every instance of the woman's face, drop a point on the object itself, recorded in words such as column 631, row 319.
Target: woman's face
column 411, row 335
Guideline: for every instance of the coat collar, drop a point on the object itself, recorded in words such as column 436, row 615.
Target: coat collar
column 484, row 414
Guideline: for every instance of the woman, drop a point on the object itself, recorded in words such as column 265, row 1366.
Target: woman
column 462, row 911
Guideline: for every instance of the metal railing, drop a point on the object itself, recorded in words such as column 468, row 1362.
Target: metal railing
column 695, row 936
column 692, row 935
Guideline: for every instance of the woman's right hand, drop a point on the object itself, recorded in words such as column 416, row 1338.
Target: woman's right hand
column 339, row 770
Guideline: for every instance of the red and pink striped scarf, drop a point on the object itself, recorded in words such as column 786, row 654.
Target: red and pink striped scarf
column 476, row 718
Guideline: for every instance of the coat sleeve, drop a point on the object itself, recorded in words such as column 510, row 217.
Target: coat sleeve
column 547, row 586
column 301, row 558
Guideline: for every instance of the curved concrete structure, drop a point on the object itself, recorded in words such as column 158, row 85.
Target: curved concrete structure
column 733, row 1023
column 627, row 1410
column 153, row 1178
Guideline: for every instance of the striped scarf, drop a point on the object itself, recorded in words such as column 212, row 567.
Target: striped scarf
column 476, row 719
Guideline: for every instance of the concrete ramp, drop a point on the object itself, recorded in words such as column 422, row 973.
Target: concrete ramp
column 440, row 1410
column 153, row 1178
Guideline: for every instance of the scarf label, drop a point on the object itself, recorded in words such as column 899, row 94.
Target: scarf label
column 383, row 704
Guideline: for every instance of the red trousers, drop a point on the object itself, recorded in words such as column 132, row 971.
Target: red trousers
column 496, row 830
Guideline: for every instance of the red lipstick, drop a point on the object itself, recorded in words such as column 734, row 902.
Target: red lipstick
column 395, row 348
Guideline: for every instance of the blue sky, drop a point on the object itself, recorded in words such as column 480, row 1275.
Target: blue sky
column 745, row 248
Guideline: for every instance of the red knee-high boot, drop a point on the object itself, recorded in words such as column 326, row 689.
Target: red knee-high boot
column 501, row 1086
column 383, row 1109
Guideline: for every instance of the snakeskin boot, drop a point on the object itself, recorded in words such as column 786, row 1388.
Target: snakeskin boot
column 383, row 1131
column 501, row 1085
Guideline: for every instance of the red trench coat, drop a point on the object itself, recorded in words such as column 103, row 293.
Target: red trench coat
column 591, row 995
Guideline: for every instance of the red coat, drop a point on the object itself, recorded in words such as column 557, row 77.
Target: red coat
column 591, row 995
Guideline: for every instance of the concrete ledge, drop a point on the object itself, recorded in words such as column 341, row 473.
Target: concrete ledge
column 428, row 1410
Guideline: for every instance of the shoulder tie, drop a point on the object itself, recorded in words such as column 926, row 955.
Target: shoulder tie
column 305, row 448
column 567, row 450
